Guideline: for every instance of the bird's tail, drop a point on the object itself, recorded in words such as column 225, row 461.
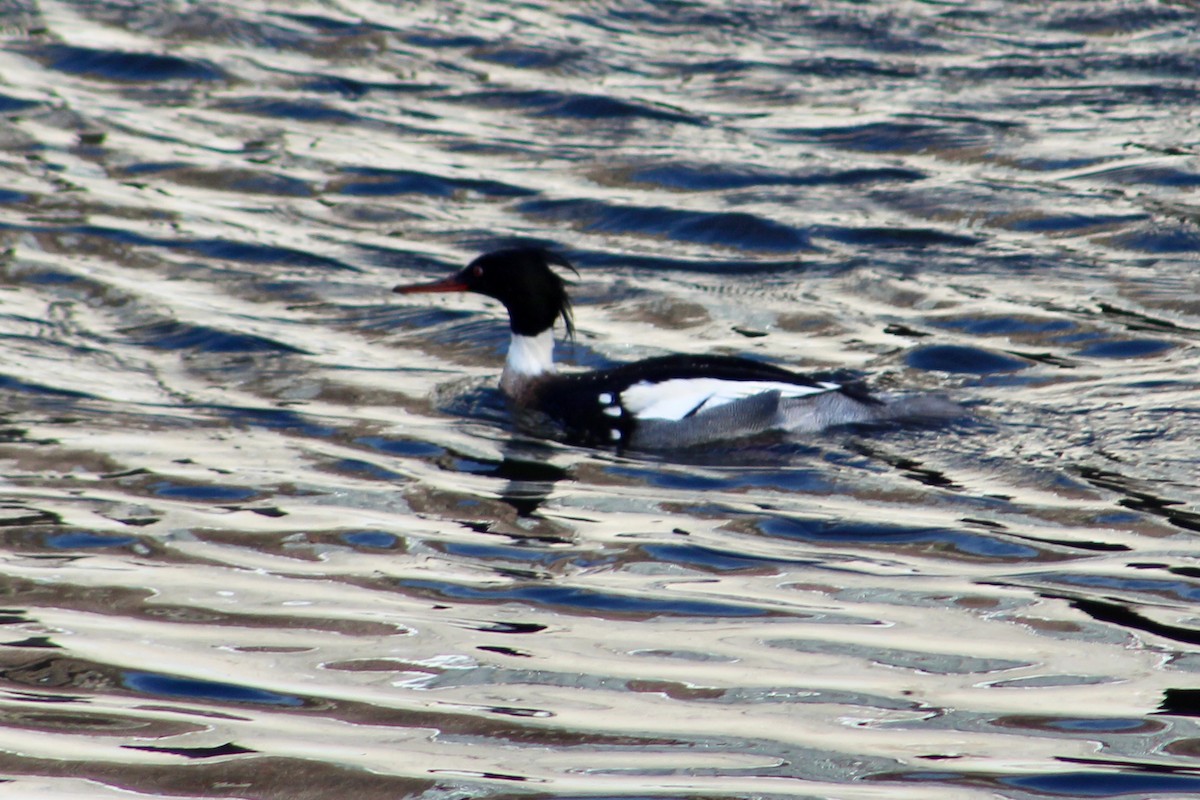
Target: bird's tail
column 817, row 412
column 920, row 406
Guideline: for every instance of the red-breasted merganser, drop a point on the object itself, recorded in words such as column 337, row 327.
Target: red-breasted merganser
column 659, row 403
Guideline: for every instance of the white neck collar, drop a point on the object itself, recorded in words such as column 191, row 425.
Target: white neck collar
column 529, row 357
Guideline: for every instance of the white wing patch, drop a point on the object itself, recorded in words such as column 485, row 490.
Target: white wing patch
column 677, row 398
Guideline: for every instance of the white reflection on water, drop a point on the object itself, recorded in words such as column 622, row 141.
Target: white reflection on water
column 269, row 533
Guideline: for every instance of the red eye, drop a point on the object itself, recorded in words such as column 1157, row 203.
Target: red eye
column 477, row 271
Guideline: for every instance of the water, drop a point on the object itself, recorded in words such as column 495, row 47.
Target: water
column 269, row 533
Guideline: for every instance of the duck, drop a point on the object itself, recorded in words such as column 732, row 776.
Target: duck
column 665, row 402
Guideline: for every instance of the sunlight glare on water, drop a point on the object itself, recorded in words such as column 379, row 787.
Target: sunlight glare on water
column 269, row 531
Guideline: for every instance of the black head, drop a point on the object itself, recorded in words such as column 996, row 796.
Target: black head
column 521, row 279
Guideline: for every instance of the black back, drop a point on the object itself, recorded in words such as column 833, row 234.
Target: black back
column 573, row 400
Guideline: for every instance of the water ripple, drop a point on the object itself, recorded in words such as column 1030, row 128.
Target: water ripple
column 268, row 526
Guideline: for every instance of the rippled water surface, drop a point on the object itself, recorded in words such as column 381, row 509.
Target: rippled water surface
column 268, row 531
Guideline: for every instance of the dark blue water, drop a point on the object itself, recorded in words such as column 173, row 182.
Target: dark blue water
column 269, row 531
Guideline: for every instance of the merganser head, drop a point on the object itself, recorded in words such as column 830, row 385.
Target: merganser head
column 520, row 278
